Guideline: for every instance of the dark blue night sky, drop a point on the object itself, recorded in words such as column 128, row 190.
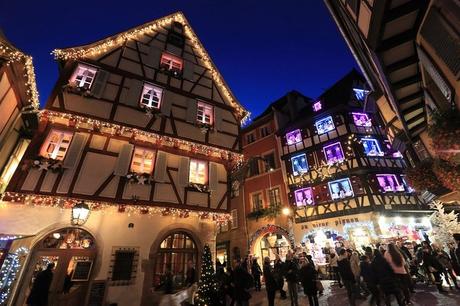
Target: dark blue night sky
column 262, row 48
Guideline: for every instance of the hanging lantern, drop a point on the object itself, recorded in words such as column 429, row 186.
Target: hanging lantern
column 80, row 213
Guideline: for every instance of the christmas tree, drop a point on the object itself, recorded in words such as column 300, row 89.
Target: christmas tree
column 207, row 287
column 445, row 224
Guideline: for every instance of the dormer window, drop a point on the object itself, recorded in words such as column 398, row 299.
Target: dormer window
column 143, row 160
column 151, row 96
column 204, row 113
column 83, row 76
column 171, row 63
column 56, row 144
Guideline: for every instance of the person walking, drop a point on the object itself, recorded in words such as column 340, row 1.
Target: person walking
column 446, row 263
column 386, row 279
column 453, row 258
column 432, row 265
column 292, row 278
column 335, row 268
column 308, row 278
column 256, row 272
column 241, row 282
column 270, row 281
column 347, row 276
column 39, row 293
column 370, row 279
column 396, row 260
column 279, row 276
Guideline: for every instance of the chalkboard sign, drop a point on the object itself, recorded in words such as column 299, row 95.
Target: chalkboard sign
column 81, row 271
column 96, row 296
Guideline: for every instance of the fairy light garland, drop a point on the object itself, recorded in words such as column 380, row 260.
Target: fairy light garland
column 13, row 55
column 118, row 40
column 9, row 271
column 130, row 209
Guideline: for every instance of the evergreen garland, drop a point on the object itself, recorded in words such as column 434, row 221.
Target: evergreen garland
column 207, row 287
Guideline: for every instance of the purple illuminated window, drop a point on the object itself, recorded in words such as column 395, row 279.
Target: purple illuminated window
column 324, row 125
column 293, row 137
column 389, row 183
column 333, row 153
column 340, row 189
column 304, row 197
column 317, row 106
column 371, row 147
column 361, row 119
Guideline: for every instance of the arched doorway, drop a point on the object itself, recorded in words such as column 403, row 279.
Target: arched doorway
column 269, row 241
column 174, row 252
column 73, row 251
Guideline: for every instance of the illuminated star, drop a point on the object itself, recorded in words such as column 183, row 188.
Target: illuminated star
column 44, row 166
column 141, row 180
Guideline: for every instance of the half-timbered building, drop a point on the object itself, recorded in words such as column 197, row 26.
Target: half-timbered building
column 142, row 129
column 343, row 173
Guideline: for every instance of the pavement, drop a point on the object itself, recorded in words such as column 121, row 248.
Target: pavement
column 334, row 296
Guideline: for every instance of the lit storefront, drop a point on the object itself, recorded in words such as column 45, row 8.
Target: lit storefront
column 405, row 227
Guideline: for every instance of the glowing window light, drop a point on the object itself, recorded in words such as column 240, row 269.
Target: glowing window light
column 389, row 183
column 333, row 153
column 371, row 147
column 304, row 197
column 324, row 125
column 293, row 137
column 317, row 106
column 299, row 164
column 362, row 119
column 340, row 189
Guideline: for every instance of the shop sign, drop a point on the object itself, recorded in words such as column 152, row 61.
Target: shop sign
column 345, row 221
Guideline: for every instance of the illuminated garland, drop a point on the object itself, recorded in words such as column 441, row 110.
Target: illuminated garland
column 13, row 55
column 68, row 203
column 8, row 272
column 118, row 40
column 115, row 129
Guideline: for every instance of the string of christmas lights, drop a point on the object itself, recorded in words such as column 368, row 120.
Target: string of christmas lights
column 8, row 272
column 105, row 45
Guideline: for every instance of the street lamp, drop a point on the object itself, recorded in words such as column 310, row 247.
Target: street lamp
column 286, row 211
column 80, row 213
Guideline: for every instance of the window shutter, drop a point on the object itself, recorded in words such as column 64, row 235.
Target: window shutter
column 234, row 218
column 160, row 167
column 124, row 160
column 213, row 177
column 191, row 111
column 217, row 118
column 189, row 70
column 184, row 167
column 99, row 83
column 133, row 95
column 166, row 103
column 75, row 150
column 153, row 57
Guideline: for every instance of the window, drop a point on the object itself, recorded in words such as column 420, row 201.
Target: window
column 151, row 96
column 420, row 150
column 361, row 119
column 360, row 94
column 371, row 147
column 253, row 167
column 265, row 131
column 270, row 163
column 317, row 106
column 83, row 76
column 333, row 153
column 171, row 63
column 123, row 265
column 274, row 197
column 204, row 113
column 250, row 138
column 340, row 189
column 257, row 203
column 303, row 197
column 56, row 144
column 13, row 162
column 293, row 137
column 143, row 160
column 299, row 164
column 389, row 183
column 324, row 125
column 198, row 172
column 234, row 219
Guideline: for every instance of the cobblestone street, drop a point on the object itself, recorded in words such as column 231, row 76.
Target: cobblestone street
column 335, row 296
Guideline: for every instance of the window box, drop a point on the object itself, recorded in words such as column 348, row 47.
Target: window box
column 304, row 197
column 142, row 165
column 324, row 125
column 389, row 183
column 271, row 213
column 293, row 137
column 151, row 97
column 171, row 64
column 340, row 189
column 333, row 153
column 299, row 164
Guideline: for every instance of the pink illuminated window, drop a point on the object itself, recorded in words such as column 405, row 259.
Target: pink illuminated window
column 362, row 119
column 151, row 96
column 198, row 172
column 303, row 197
column 56, row 144
column 171, row 63
column 317, row 106
column 83, row 76
column 333, row 153
column 389, row 183
column 204, row 113
column 143, row 160
column 293, row 137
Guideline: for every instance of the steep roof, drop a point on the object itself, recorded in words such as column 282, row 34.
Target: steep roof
column 118, row 40
column 341, row 90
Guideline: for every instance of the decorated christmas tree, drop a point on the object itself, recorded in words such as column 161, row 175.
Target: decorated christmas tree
column 445, row 224
column 206, row 294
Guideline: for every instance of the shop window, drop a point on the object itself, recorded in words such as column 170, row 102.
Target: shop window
column 257, row 203
column 83, row 76
column 371, row 147
column 269, row 161
column 360, row 94
column 265, row 131
column 198, row 172
column 324, row 125
column 274, row 197
column 340, row 189
column 171, row 63
column 143, row 160
column 250, row 138
column 204, row 114
column 151, row 96
column 234, row 219
column 299, row 164
column 361, row 119
column 293, row 137
column 333, row 153
column 303, row 197
column 56, row 144
column 389, row 183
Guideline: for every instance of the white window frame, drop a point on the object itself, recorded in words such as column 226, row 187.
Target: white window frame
column 269, row 204
column 82, row 77
column 147, row 98
column 172, row 62
column 194, row 170
column 294, row 172
column 144, row 153
column 204, row 113
column 59, row 144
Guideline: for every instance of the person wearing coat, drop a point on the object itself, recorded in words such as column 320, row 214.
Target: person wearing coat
column 39, row 293
column 270, row 281
column 453, row 259
column 279, row 276
column 446, row 262
column 347, row 276
column 308, row 278
column 241, row 282
column 370, row 279
column 432, row 265
column 292, row 270
column 386, row 279
column 256, row 272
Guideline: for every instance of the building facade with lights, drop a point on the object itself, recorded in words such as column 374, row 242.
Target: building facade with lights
column 129, row 171
column 343, row 174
